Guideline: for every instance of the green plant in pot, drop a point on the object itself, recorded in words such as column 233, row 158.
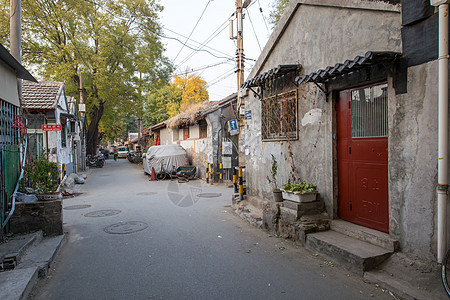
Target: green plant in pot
column 299, row 192
column 42, row 176
column 278, row 197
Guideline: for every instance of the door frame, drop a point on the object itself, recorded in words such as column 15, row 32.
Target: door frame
column 334, row 100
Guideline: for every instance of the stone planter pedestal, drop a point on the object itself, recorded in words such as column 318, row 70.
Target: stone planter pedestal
column 300, row 198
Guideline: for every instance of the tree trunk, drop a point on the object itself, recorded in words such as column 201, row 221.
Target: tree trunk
column 92, row 131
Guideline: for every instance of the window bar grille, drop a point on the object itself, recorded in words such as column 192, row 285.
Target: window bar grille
column 8, row 113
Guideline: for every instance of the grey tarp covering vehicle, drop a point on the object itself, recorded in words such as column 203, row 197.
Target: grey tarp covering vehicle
column 162, row 157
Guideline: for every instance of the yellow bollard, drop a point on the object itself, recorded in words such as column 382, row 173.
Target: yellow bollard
column 221, row 172
column 207, row 172
column 241, row 185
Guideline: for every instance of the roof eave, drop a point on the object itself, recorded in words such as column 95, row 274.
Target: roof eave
column 21, row 72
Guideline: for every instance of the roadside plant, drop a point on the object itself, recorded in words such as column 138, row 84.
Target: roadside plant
column 299, row 188
column 41, row 175
column 273, row 173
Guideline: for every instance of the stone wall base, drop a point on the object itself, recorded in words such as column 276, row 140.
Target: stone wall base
column 40, row 215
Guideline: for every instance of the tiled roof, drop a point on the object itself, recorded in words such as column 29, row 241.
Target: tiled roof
column 359, row 62
column 41, row 95
column 274, row 72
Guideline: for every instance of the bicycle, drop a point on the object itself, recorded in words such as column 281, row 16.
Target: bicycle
column 166, row 173
column 445, row 267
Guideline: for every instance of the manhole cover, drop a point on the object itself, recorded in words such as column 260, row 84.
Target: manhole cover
column 209, row 195
column 73, row 207
column 126, row 227
column 146, row 193
column 103, row 213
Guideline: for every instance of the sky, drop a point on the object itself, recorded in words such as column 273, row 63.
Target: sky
column 207, row 20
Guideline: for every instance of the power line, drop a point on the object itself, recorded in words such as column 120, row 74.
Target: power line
column 192, row 30
column 165, row 36
column 201, row 68
column 207, row 40
column 222, row 77
column 218, row 51
column 264, row 18
column 254, row 32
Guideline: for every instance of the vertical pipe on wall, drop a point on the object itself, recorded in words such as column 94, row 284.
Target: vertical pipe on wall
column 442, row 189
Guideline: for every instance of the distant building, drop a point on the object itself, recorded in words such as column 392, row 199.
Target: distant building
column 203, row 132
column 46, row 104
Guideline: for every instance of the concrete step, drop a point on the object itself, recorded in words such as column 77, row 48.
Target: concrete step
column 34, row 264
column 43, row 254
column 409, row 277
column 356, row 255
column 18, row 283
column 14, row 249
column 365, row 234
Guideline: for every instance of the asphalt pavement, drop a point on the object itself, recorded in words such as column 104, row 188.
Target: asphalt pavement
column 131, row 238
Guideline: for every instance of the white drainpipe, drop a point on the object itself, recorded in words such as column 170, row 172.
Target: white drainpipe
column 442, row 190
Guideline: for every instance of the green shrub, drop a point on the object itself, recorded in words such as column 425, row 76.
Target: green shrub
column 41, row 175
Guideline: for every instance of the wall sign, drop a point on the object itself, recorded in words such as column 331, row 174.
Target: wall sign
column 248, row 114
column 233, row 127
column 51, row 127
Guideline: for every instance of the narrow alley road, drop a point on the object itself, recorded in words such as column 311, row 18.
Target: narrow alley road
column 131, row 238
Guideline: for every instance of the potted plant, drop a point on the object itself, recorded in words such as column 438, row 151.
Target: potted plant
column 299, row 192
column 278, row 197
column 43, row 177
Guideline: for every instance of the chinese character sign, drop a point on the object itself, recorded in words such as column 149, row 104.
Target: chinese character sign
column 51, row 127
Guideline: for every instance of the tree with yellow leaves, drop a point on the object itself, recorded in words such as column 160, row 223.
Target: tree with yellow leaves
column 186, row 90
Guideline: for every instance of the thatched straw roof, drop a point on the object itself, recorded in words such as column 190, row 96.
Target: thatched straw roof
column 194, row 113
column 190, row 115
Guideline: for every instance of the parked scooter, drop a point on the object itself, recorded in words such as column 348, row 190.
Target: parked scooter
column 97, row 161
column 134, row 157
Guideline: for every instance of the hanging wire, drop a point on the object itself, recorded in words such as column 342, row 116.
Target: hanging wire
column 198, row 21
column 254, row 32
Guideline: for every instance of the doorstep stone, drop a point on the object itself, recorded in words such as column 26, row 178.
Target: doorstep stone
column 356, row 255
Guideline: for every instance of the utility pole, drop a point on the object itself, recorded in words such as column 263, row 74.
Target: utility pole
column 15, row 29
column 240, row 47
column 82, row 110
column 240, row 72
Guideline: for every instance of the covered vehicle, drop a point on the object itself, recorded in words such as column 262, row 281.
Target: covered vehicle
column 164, row 157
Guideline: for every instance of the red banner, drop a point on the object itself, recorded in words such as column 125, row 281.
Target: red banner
column 51, row 127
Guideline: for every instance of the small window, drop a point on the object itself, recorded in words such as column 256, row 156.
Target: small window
column 203, row 129
column 186, row 133
column 63, row 135
column 370, row 112
column 279, row 117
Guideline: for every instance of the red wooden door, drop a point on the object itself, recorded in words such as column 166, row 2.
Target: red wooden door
column 362, row 157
